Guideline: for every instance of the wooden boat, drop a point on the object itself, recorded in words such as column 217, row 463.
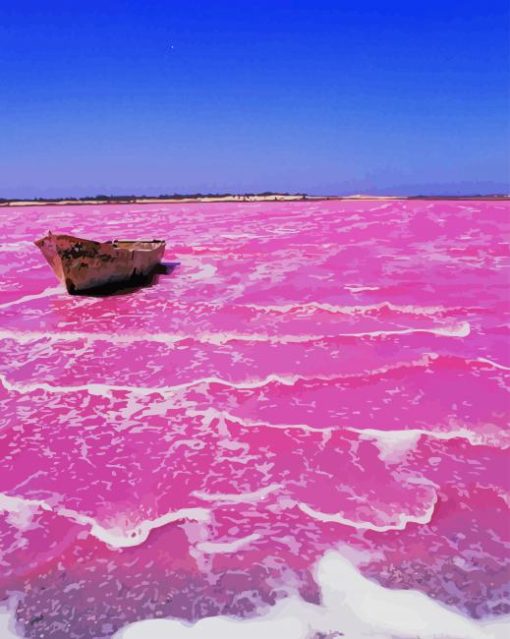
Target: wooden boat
column 84, row 264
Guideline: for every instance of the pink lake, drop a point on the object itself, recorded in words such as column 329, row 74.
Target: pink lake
column 311, row 376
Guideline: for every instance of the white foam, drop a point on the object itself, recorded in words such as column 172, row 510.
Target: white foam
column 16, row 246
column 393, row 445
column 224, row 547
column 352, row 309
column 400, row 521
column 492, row 363
column 212, row 413
column 400, row 613
column 360, row 289
column 204, row 273
column 283, row 626
column 115, row 534
column 461, row 329
column 71, row 336
column 105, row 390
column 54, row 290
column 247, row 497
column 352, row 605
column 8, row 628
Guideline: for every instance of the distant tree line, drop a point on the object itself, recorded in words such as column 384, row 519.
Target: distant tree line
column 163, row 196
column 193, row 196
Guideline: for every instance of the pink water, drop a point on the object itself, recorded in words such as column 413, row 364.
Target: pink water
column 311, row 375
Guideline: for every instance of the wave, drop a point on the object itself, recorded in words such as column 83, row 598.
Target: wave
column 205, row 272
column 358, row 309
column 48, row 292
column 212, row 413
column 224, row 547
column 105, row 390
column 402, row 519
column 394, row 444
column 461, row 329
column 248, row 497
column 13, row 247
column 492, row 363
column 352, row 606
column 24, row 337
column 353, row 288
column 22, row 510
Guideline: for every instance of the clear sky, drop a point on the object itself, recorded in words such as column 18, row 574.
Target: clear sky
column 403, row 96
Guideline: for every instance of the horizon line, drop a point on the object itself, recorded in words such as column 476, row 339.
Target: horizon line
column 270, row 196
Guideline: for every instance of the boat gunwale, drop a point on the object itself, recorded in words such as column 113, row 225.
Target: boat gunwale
column 109, row 243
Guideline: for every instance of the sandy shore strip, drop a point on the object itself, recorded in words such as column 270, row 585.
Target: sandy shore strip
column 272, row 197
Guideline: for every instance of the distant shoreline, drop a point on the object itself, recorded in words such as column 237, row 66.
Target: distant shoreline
column 264, row 197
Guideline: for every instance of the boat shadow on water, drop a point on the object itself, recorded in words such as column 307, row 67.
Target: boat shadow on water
column 132, row 285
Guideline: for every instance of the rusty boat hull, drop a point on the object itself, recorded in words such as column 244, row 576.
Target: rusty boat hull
column 85, row 264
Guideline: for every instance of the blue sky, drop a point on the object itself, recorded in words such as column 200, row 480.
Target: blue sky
column 318, row 97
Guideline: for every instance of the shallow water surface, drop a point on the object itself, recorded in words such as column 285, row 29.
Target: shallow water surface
column 312, row 376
